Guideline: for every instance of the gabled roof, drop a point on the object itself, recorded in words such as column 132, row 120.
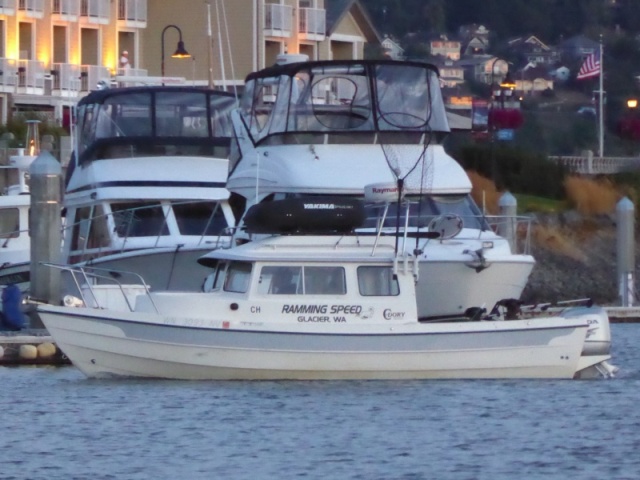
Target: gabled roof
column 336, row 11
column 530, row 40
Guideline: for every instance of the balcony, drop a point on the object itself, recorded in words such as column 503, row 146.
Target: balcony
column 31, row 8
column 312, row 24
column 65, row 80
column 8, row 75
column 30, row 77
column 66, row 10
column 132, row 13
column 91, row 75
column 8, row 7
column 277, row 20
column 94, row 12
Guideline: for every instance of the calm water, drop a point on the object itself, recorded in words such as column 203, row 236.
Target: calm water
column 58, row 425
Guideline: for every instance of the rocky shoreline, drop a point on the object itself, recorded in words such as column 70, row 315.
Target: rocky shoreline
column 575, row 258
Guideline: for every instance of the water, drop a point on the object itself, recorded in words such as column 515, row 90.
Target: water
column 58, row 425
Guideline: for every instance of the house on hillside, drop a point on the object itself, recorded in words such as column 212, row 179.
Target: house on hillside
column 484, row 68
column 451, row 72
column 533, row 80
column 442, row 46
column 474, row 40
column 531, row 50
column 392, row 48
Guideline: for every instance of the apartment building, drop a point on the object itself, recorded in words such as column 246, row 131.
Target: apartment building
column 229, row 39
column 53, row 52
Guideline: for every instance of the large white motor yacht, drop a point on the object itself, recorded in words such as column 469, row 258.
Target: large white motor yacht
column 145, row 190
column 337, row 128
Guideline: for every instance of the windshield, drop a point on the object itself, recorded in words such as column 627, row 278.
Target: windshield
column 424, row 212
column 141, row 123
column 335, row 97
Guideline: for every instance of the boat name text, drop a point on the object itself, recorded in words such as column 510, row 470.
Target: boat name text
column 322, row 309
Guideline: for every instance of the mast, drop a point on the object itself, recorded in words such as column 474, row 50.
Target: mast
column 601, row 105
column 210, row 44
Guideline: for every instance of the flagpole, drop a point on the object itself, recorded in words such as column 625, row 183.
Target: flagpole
column 601, row 92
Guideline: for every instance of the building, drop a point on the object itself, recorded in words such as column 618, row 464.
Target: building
column 392, row 48
column 54, row 51
column 230, row 39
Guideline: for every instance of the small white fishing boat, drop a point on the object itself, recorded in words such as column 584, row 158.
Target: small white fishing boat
column 338, row 305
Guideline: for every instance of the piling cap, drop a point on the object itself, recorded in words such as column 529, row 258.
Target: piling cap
column 507, row 200
column 45, row 164
column 625, row 205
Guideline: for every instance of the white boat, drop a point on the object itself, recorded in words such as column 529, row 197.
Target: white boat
column 15, row 240
column 335, row 306
column 331, row 128
column 145, row 190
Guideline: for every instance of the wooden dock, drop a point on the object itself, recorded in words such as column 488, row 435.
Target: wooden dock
column 30, row 347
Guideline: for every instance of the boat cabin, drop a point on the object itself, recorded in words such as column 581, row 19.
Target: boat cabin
column 274, row 281
column 305, row 102
column 149, row 172
column 152, row 121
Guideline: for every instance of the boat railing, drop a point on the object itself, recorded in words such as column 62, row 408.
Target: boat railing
column 89, row 282
column 130, row 224
column 516, row 229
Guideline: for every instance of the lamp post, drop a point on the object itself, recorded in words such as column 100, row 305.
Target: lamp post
column 502, row 115
column 629, row 125
column 180, row 52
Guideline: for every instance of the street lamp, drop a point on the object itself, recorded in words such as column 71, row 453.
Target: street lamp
column 180, row 52
column 503, row 116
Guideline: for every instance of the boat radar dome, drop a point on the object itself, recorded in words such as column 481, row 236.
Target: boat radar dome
column 287, row 58
column 381, row 193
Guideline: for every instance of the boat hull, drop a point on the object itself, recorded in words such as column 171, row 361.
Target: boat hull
column 103, row 344
column 449, row 288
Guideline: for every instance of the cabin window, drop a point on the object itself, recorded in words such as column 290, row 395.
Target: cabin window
column 202, row 218
column 238, row 277
column 9, row 223
column 181, row 114
column 98, row 231
column 280, row 280
column 377, row 281
column 144, row 219
column 125, row 116
column 341, row 102
column 324, row 281
column 221, row 108
column 81, row 224
column 213, row 281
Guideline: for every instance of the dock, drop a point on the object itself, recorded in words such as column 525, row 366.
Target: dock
column 30, row 347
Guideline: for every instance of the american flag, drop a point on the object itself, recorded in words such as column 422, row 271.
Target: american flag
column 590, row 67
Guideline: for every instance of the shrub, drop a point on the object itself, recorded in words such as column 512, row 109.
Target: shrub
column 591, row 196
